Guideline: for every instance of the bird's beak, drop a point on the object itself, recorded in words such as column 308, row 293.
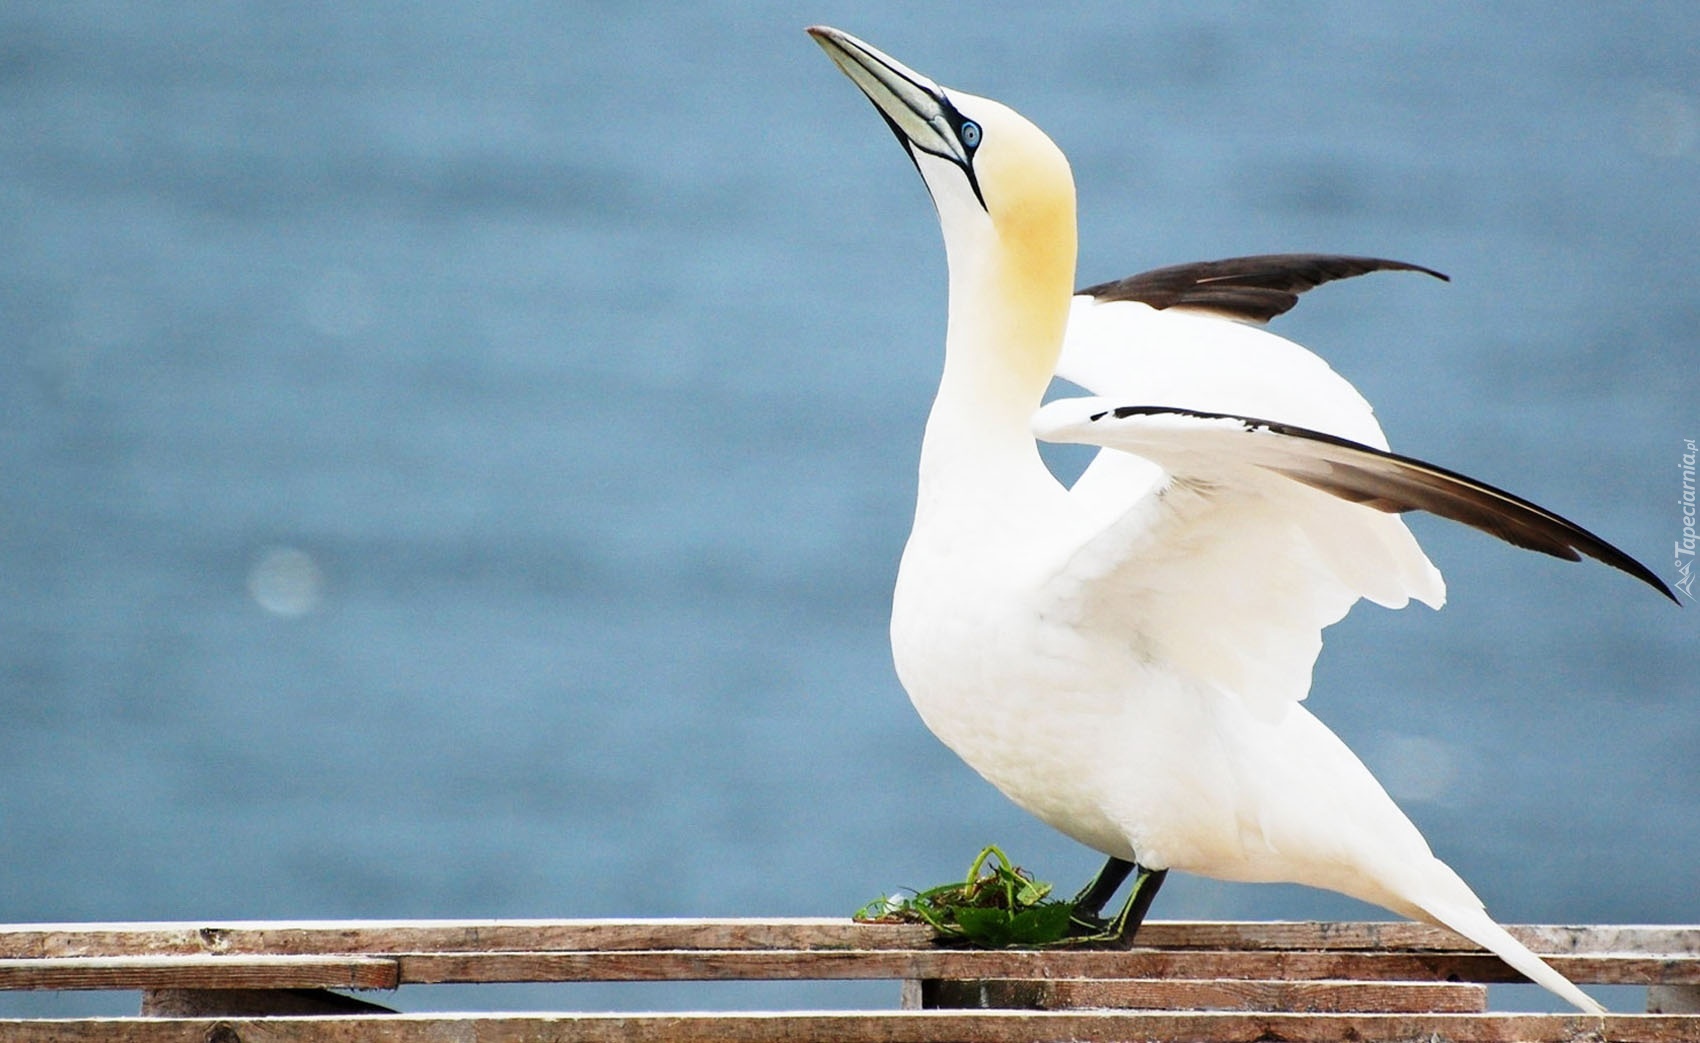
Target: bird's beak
column 915, row 106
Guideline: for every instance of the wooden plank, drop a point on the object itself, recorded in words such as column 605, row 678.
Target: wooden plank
column 359, row 971
column 200, row 972
column 1595, row 940
column 881, row 1027
column 1332, row 997
column 433, row 968
column 394, row 936
column 1673, row 999
column 391, row 936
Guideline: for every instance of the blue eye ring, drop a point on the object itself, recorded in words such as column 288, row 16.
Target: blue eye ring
column 969, row 133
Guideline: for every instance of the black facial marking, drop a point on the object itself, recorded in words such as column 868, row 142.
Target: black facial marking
column 970, row 135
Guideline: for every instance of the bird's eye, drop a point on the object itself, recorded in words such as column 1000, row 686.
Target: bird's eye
column 970, row 133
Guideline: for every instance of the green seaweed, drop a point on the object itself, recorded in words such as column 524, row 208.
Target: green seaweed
column 997, row 906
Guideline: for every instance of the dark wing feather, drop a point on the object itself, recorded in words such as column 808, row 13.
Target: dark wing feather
column 1255, row 288
column 1394, row 484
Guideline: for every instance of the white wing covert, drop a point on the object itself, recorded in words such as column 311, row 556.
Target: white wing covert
column 1230, row 572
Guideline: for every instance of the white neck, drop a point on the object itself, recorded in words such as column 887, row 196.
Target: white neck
column 1008, row 307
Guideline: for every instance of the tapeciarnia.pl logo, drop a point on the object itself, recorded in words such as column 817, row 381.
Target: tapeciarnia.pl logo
column 1685, row 544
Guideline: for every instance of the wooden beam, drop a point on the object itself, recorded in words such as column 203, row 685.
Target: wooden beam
column 391, row 936
column 200, row 972
column 1594, row 940
column 931, row 963
column 363, row 971
column 396, row 936
column 1674, row 999
column 871, row 1027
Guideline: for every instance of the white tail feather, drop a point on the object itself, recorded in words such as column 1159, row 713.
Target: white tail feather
column 1473, row 922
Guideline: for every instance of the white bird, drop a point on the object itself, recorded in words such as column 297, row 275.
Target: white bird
column 1126, row 658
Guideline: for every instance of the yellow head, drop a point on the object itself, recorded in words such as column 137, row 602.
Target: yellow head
column 1005, row 198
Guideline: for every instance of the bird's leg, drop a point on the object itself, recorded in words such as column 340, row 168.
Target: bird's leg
column 1087, row 927
column 1089, row 903
column 1145, row 887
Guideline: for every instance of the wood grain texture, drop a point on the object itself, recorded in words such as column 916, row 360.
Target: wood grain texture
column 391, row 936
column 1675, row 999
column 395, row 936
column 212, row 956
column 873, row 1027
column 200, row 972
column 1201, row 982
column 670, row 965
column 1606, row 939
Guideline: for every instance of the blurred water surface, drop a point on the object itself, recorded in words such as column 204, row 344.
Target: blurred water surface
column 453, row 459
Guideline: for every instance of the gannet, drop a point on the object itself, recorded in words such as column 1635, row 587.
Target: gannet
column 1126, row 658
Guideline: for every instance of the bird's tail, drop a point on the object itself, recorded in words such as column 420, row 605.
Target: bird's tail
column 1465, row 915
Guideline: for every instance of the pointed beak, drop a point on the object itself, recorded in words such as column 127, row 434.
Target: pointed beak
column 914, row 105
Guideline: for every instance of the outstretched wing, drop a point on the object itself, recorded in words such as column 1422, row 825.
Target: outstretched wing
column 1257, row 535
column 1223, row 566
column 1215, row 450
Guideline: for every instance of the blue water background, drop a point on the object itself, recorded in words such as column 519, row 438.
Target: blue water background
column 454, row 458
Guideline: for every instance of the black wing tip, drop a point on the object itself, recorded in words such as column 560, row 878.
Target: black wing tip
column 1385, row 265
column 1646, row 576
column 1607, row 554
column 1566, row 540
column 1258, row 287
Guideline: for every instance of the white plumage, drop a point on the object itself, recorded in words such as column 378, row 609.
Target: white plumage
column 1126, row 658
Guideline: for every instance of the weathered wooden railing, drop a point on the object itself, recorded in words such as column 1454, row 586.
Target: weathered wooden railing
column 1186, row 981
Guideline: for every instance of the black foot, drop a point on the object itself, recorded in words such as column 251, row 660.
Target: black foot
column 1086, row 925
